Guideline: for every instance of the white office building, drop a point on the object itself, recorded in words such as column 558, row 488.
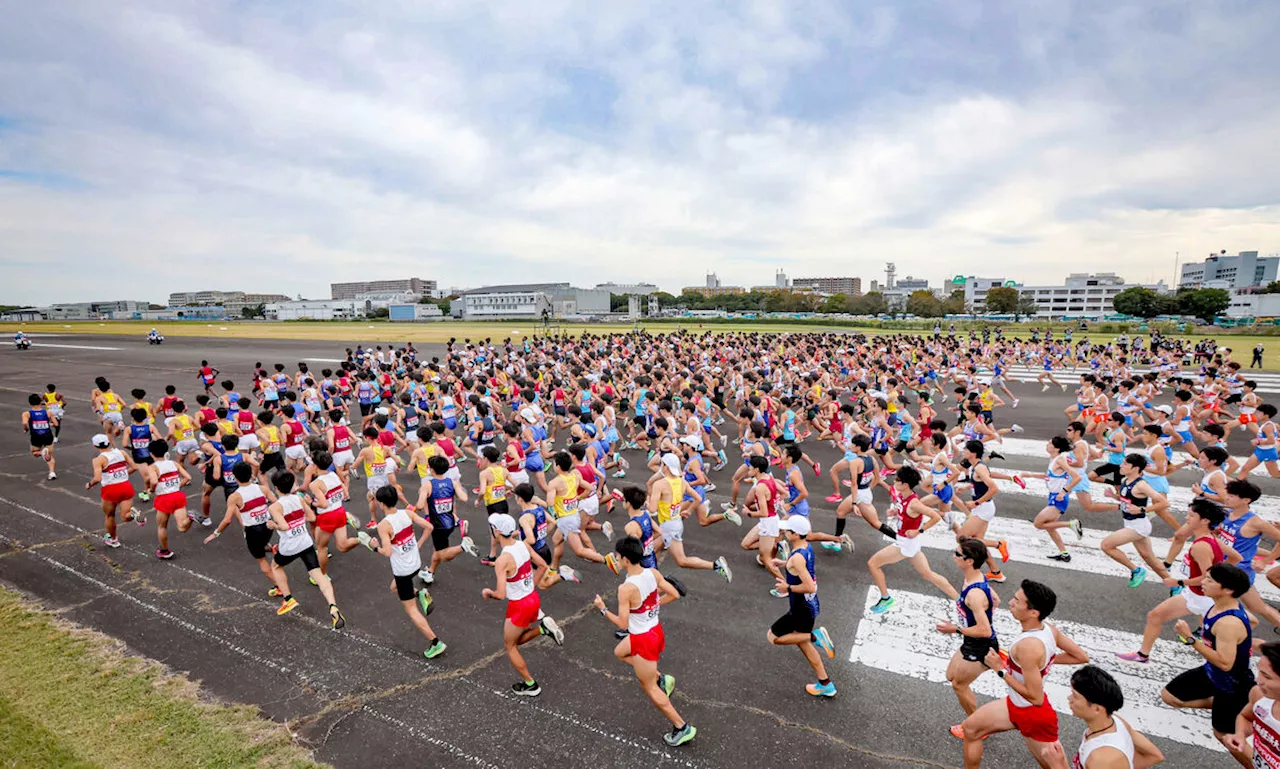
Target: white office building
column 1242, row 270
column 642, row 289
column 316, row 309
column 529, row 300
column 1083, row 295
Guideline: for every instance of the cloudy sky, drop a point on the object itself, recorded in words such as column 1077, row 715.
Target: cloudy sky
column 147, row 147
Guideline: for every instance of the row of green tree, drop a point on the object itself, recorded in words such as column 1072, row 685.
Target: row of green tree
column 1203, row 303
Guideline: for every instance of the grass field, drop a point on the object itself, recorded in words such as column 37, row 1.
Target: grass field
column 69, row 697
column 425, row 333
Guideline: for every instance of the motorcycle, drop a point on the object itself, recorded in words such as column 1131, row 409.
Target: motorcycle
column 22, row 343
column 155, row 338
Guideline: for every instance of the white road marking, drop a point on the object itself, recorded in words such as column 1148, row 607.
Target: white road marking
column 73, row 346
column 1029, row 447
column 1180, row 497
column 904, row 641
column 1027, row 544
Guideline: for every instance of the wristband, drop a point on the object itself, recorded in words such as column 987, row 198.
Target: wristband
column 1000, row 673
column 604, row 612
column 1182, row 583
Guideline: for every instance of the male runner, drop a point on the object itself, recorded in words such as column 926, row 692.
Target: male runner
column 439, row 499
column 166, row 478
column 514, row 572
column 40, row 424
column 974, row 607
column 639, row 597
column 397, row 542
column 111, row 468
column 248, row 504
column 907, row 545
column 290, row 515
column 1026, row 708
column 1259, row 721
column 1109, row 742
column 797, row 580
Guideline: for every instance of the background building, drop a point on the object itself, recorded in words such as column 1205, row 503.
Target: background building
column 416, row 286
column 713, row 288
column 528, row 300
column 419, row 311
column 1081, row 295
column 830, row 286
column 975, row 290
column 1222, row 271
column 642, row 289
column 316, row 309
column 121, row 308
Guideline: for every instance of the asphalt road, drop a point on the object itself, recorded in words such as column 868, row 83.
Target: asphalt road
column 366, row 696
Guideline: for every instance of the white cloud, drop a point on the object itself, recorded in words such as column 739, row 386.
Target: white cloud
column 191, row 145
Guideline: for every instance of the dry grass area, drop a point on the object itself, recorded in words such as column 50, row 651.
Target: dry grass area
column 71, row 697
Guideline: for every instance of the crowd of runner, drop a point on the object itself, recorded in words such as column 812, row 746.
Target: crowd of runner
column 310, row 461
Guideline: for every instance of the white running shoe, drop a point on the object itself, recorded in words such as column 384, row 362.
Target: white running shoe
column 426, row 576
column 552, row 629
column 732, row 516
column 1015, row 403
column 568, row 574
column 469, row 547
column 607, row 529
column 53, row 476
column 1016, row 428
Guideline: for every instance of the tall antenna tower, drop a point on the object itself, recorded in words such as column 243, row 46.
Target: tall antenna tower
column 890, row 272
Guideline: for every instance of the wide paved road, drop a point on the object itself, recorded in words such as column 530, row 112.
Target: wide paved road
column 365, row 695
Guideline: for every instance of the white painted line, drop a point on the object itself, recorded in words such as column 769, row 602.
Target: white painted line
column 1027, row 544
column 73, row 346
column 904, row 641
column 1180, row 497
column 1030, row 447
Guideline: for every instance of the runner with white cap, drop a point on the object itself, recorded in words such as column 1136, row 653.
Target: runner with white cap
column 665, row 502
column 798, row 582
column 111, row 468
column 514, row 573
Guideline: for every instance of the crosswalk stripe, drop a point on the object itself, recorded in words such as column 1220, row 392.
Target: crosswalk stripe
column 904, row 641
column 1027, row 544
column 1026, row 447
column 1267, row 383
column 1180, row 497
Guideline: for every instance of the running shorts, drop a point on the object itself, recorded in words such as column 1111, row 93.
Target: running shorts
column 569, row 524
column 440, row 537
column 332, row 520
column 975, row 649
column 986, row 511
column 909, row 546
column 117, row 493
column 170, row 503
column 1194, row 684
column 256, row 538
column 405, row 588
column 271, row 461
column 792, row 622
column 649, row 644
column 1141, row 525
column 1038, row 722
column 524, row 612
column 296, row 452
column 40, row 440
column 343, row 458
column 768, row 527
column 309, row 557
column 673, row 530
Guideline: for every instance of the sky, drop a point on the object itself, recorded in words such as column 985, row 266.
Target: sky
column 164, row 145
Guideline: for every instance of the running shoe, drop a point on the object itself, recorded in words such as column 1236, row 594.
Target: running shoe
column 776, row 593
column 476, row 490
column 784, row 550
column 724, row 441
column 1016, row 428
column 1138, row 657
column 718, row 466
column 846, row 541
column 353, row 521
column 833, row 547
column 732, row 516
column 666, row 683
column 1018, row 480
column 822, row 639
column 651, row 455
column 1064, row 387
column 549, row 627
column 53, row 476
column 1078, row 527
column 619, row 474
column 606, row 528
column 436, row 648
column 425, row 602
column 848, row 484
column 883, row 605
column 139, row 518
column 312, row 580
column 957, row 731
column 721, row 567
column 996, row 576
column 821, row 690
column 1137, row 576
column 1044, row 389
column 335, row 616
column 710, row 487
column 1063, row 557
column 835, row 497
column 206, row 521
column 817, row 469
column 287, row 606
column 616, row 494
column 464, row 527
column 372, row 524
column 996, row 455
column 144, row 496
column 274, row 592
column 427, row 577
column 1176, row 589
column 620, row 634
column 611, row 561
column 677, row 737
column 110, row 541
column 1003, row 547
column 887, row 472
column 726, row 506
column 566, row 573
column 164, row 555
column 758, row 561
column 366, row 540
column 1015, row 403
column 468, row 546
column 677, row 584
